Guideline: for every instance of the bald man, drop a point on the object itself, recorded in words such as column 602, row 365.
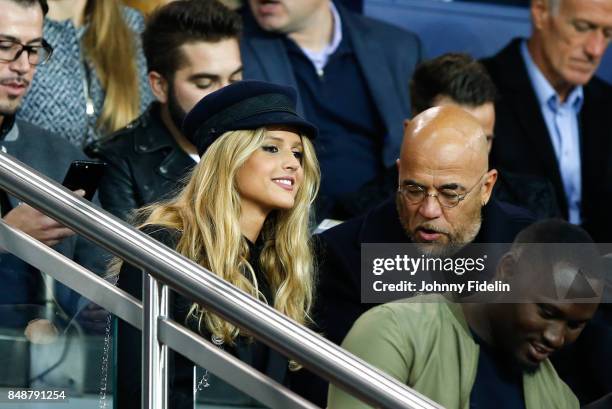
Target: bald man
column 443, row 202
column 444, row 179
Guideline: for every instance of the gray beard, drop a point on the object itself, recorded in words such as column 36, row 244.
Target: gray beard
column 456, row 242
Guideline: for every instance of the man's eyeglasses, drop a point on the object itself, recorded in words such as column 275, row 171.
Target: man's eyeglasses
column 415, row 194
column 11, row 50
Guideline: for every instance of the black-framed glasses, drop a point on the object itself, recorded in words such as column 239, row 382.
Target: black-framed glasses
column 415, row 194
column 11, row 50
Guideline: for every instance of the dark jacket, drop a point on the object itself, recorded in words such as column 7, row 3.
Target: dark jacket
column 145, row 164
column 50, row 155
column 387, row 56
column 522, row 143
column 180, row 372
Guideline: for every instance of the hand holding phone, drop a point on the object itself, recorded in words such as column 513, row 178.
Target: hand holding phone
column 84, row 175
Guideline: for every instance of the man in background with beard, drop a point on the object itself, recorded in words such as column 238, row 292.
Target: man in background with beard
column 442, row 204
column 191, row 49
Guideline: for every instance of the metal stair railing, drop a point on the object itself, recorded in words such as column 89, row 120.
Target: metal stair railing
column 163, row 267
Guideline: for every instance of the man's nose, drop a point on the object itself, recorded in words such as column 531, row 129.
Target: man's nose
column 555, row 335
column 430, row 207
column 21, row 65
column 596, row 44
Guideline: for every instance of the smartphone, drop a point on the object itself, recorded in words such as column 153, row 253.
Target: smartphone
column 86, row 175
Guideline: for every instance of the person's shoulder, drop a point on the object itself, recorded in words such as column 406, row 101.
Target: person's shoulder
column 377, row 27
column 121, row 141
column 504, row 59
column 46, row 141
column 548, row 389
column 599, row 89
column 379, row 225
column 512, row 211
column 164, row 234
column 342, row 231
column 429, row 311
column 133, row 18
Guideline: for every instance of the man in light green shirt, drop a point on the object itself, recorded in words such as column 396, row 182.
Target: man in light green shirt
column 443, row 349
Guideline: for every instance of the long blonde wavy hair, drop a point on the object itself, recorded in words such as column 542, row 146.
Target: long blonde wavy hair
column 111, row 46
column 207, row 213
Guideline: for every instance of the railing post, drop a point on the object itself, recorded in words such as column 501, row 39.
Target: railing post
column 164, row 312
column 154, row 353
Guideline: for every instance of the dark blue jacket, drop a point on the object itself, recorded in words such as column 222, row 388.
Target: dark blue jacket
column 387, row 56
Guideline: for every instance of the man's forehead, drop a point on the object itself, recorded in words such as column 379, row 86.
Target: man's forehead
column 442, row 125
column 210, row 56
column 22, row 23
column 443, row 148
column 595, row 11
column 442, row 170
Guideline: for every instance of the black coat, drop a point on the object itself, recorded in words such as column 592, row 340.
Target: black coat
column 145, row 164
column 180, row 369
column 522, row 143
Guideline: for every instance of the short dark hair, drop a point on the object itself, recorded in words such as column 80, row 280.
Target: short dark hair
column 181, row 22
column 29, row 3
column 547, row 242
column 455, row 75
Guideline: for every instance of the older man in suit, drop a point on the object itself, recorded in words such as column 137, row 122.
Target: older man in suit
column 352, row 76
column 553, row 115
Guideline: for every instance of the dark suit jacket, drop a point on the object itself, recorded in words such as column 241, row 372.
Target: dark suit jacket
column 522, row 143
column 387, row 56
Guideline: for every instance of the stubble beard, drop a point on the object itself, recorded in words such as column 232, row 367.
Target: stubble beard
column 177, row 114
column 456, row 240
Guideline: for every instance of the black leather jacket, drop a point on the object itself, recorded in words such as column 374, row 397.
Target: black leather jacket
column 145, row 164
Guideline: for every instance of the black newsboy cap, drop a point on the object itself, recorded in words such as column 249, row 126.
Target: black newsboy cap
column 243, row 105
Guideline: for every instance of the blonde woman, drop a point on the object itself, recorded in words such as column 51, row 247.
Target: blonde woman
column 96, row 82
column 244, row 214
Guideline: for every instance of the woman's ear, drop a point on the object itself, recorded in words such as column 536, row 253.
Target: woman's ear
column 159, row 86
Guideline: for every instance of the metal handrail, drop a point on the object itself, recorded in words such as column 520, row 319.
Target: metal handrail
column 263, row 322
column 129, row 309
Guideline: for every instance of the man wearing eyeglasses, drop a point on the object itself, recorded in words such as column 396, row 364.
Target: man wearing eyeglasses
column 22, row 49
column 443, row 202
